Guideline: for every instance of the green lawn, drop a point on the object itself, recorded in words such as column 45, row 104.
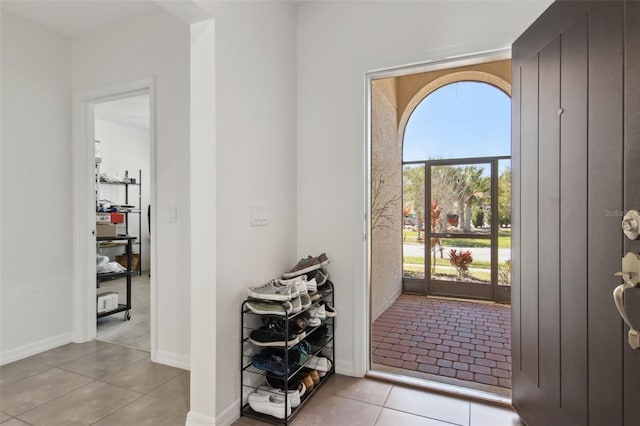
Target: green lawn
column 504, row 240
column 481, row 264
column 479, row 275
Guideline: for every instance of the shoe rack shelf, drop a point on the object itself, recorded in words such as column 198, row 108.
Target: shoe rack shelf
column 251, row 377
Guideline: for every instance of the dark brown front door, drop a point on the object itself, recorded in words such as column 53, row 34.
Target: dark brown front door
column 576, row 168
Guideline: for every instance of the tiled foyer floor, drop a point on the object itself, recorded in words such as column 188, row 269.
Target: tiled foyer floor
column 93, row 383
column 461, row 342
column 347, row 401
column 98, row 383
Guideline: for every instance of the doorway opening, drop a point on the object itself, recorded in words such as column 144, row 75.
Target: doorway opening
column 122, row 129
column 440, row 226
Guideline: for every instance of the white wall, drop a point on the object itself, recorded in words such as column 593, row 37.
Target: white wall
column 156, row 45
column 36, row 242
column 127, row 148
column 256, row 163
column 338, row 42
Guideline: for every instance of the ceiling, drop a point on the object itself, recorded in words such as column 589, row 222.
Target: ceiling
column 76, row 17
column 132, row 111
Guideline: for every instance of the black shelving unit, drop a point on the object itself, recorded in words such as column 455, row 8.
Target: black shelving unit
column 122, row 307
column 251, row 377
column 130, row 211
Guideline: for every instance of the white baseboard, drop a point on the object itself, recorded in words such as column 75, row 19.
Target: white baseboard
column 195, row 419
column 345, row 368
column 173, row 359
column 29, row 349
column 229, row 415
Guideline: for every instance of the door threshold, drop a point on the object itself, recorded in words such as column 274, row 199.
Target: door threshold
column 443, row 388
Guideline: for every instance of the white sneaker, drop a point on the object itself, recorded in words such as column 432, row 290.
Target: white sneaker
column 293, row 395
column 270, row 404
column 296, row 305
column 305, row 300
column 330, row 311
column 317, row 311
column 311, row 285
column 320, row 363
column 272, row 290
column 293, row 283
column 324, row 373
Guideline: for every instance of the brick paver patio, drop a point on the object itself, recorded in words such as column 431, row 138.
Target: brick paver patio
column 464, row 340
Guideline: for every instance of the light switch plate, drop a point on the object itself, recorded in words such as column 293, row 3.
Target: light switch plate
column 259, row 215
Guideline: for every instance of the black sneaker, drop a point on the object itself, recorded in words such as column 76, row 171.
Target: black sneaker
column 319, row 275
column 276, row 382
column 273, row 334
column 319, row 337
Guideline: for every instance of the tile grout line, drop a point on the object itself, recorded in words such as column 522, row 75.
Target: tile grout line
column 52, row 399
column 28, row 377
column 424, row 417
column 117, row 409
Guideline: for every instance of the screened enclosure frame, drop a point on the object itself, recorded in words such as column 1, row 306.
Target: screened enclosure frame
column 452, row 288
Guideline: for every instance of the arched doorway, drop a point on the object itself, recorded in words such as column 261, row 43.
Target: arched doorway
column 456, row 192
column 420, row 327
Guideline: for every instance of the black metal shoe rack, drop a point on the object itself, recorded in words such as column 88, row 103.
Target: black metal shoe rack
column 251, row 377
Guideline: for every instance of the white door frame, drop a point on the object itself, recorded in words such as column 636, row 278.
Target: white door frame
column 362, row 361
column 84, row 315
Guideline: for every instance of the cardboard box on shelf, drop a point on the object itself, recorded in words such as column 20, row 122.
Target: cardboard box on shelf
column 107, row 217
column 103, row 217
column 107, row 301
column 135, row 261
column 106, row 230
column 110, row 230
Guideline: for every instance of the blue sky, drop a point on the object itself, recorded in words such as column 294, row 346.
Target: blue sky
column 460, row 120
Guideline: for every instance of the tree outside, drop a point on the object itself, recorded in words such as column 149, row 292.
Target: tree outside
column 461, row 203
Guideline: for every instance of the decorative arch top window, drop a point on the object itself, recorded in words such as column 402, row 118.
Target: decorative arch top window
column 465, row 119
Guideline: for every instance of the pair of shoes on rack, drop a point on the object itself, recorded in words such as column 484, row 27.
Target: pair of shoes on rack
column 311, row 321
column 293, row 396
column 329, row 311
column 272, row 360
column 269, row 403
column 301, row 352
column 274, row 333
column 306, row 265
column 316, row 282
column 310, row 378
column 319, row 337
column 293, row 292
column 264, row 307
column 322, row 311
column 264, row 403
column 320, row 363
column 299, row 292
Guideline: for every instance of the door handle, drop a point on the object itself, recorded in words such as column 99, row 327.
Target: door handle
column 631, row 276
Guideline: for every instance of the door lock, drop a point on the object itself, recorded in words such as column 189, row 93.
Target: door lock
column 630, row 223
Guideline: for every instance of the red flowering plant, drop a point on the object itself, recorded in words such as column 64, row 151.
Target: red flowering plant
column 461, row 260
